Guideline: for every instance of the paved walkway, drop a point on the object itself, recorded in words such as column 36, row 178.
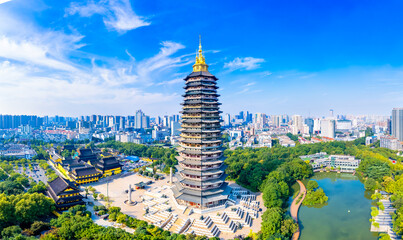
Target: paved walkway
column 295, row 207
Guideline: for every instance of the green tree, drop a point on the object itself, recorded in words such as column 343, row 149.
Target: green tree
column 272, row 219
column 312, row 185
column 11, row 231
column 370, row 184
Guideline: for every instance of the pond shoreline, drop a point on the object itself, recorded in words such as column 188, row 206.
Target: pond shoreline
column 346, row 214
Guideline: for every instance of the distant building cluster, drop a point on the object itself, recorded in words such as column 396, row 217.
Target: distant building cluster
column 17, row 150
column 322, row 160
column 261, row 130
column 393, row 139
column 139, row 128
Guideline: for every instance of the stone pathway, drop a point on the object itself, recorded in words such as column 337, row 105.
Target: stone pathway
column 295, row 207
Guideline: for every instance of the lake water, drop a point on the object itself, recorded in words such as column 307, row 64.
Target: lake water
column 333, row 221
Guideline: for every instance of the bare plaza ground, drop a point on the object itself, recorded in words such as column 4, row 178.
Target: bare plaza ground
column 116, row 188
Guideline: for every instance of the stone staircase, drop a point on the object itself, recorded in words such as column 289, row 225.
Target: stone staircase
column 204, row 227
column 224, row 223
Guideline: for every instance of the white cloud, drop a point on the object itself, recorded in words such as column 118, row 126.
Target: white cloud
column 31, row 53
column 247, row 63
column 249, row 84
column 4, row 1
column 118, row 14
column 40, row 74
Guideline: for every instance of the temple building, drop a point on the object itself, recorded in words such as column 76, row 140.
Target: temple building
column 109, row 166
column 64, row 193
column 201, row 171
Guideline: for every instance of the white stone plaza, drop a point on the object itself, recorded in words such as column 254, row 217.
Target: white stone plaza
column 156, row 204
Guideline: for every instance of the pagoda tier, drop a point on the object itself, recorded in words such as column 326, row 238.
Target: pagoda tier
column 201, row 169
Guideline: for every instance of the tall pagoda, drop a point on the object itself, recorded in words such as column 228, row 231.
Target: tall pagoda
column 201, row 170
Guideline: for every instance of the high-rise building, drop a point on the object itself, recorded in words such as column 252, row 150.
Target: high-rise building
column 139, row 119
column 297, row 125
column 328, row 128
column 397, row 123
column 389, row 126
column 277, row 120
column 201, row 177
column 227, row 120
column 310, row 123
column 316, row 125
column 165, row 121
column 260, row 120
column 175, row 126
column 145, row 121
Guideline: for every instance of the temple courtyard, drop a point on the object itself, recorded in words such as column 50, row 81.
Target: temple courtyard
column 155, row 204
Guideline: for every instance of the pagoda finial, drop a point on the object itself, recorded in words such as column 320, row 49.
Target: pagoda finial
column 200, row 64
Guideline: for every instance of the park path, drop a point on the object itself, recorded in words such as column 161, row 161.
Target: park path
column 295, row 207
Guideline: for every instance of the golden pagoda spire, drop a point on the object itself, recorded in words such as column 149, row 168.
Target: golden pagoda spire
column 200, row 64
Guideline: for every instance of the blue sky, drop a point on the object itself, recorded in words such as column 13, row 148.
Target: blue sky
column 277, row 57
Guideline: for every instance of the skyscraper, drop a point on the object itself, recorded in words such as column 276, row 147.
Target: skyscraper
column 310, row 123
column 227, row 120
column 397, row 123
column 200, row 178
column 139, row 119
column 327, row 128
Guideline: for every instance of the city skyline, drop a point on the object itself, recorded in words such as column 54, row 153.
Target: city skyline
column 114, row 57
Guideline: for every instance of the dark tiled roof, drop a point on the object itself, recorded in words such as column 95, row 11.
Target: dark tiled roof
column 68, row 147
column 84, row 171
column 200, row 74
column 85, row 152
column 60, row 184
column 108, row 163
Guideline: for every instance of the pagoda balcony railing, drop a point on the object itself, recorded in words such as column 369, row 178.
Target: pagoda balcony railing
column 194, row 92
column 199, row 147
column 199, row 130
column 198, row 84
column 199, row 158
column 201, row 108
column 200, row 151
column 202, row 88
column 199, row 135
column 200, row 167
column 200, row 79
column 201, row 97
column 190, row 103
column 201, row 116
column 201, row 188
column 211, row 177
column 211, row 112
column 208, row 128
column 212, row 125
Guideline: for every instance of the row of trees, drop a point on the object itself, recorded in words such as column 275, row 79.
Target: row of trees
column 165, row 156
column 77, row 224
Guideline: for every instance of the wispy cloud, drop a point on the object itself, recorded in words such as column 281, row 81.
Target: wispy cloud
column 247, row 63
column 118, row 14
column 42, row 73
column 35, row 52
column 4, row 1
column 171, row 82
column 249, row 84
